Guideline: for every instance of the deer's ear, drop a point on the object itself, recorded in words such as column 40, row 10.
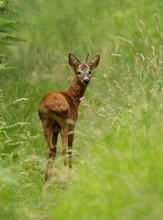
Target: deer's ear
column 94, row 62
column 74, row 61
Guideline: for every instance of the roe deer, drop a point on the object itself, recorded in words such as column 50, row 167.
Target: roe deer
column 58, row 111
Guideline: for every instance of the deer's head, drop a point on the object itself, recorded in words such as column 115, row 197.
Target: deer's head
column 83, row 70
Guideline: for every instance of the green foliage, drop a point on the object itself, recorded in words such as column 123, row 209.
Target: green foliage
column 118, row 144
column 12, row 25
column 9, row 132
column 9, row 20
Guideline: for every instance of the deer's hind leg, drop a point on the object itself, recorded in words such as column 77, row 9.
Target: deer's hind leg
column 54, row 141
column 51, row 134
column 64, row 135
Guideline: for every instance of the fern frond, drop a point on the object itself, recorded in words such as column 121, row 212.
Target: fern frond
column 9, row 37
column 13, row 21
column 9, row 129
column 7, row 134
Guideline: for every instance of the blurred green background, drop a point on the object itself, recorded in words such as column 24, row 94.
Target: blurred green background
column 118, row 152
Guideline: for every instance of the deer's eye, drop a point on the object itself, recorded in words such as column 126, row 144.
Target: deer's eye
column 79, row 73
column 89, row 72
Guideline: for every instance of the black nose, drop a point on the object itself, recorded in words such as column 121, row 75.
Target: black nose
column 86, row 81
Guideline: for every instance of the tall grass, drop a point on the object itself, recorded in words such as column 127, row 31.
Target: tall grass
column 118, row 144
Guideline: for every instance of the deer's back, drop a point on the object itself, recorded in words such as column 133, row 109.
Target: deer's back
column 58, row 103
column 54, row 102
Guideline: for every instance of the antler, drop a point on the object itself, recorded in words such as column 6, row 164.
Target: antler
column 77, row 58
column 86, row 57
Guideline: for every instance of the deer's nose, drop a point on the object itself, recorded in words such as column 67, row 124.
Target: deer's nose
column 86, row 81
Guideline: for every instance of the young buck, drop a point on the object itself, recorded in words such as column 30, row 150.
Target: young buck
column 58, row 111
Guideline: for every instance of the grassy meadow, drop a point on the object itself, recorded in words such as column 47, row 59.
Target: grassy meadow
column 118, row 149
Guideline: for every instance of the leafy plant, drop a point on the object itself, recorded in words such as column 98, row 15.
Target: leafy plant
column 12, row 25
column 118, row 160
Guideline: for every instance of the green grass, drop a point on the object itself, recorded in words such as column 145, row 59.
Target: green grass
column 118, row 149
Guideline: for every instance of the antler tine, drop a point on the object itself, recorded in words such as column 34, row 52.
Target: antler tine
column 77, row 58
column 86, row 57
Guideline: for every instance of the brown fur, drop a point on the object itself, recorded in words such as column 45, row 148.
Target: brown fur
column 58, row 111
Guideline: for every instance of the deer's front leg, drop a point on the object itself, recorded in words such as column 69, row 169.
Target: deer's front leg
column 70, row 143
column 64, row 134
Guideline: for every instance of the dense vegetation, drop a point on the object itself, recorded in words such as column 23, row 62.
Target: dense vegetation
column 118, row 152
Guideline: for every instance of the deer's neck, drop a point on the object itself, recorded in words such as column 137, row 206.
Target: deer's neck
column 76, row 91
